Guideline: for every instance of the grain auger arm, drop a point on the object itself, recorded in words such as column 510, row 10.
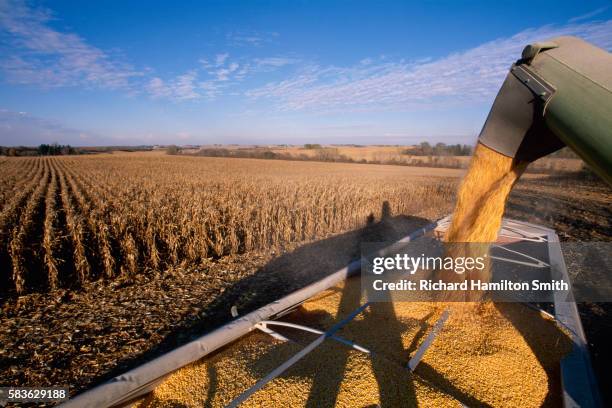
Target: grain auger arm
column 558, row 94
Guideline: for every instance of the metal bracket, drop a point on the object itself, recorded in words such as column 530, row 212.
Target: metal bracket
column 543, row 90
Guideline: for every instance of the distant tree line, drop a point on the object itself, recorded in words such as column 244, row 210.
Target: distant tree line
column 8, row 151
column 442, row 149
column 55, row 149
column 439, row 149
column 327, row 154
column 18, row 151
column 244, row 154
column 42, row 150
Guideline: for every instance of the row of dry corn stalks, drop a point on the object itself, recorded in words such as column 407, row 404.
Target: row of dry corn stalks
column 65, row 221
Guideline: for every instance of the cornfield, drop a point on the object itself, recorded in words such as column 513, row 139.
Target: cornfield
column 66, row 221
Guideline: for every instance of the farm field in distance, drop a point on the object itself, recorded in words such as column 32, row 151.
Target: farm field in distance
column 397, row 155
column 109, row 260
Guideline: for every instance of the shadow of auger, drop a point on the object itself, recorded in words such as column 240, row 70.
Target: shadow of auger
column 278, row 278
column 430, row 376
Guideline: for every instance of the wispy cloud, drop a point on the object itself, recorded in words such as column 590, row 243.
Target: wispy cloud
column 250, row 38
column 183, row 87
column 205, row 82
column 35, row 53
column 220, row 59
column 588, row 15
column 215, row 76
column 471, row 75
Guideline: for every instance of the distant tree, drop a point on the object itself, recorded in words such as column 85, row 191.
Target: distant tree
column 66, row 150
column 269, row 155
column 426, row 149
column 312, row 146
column 439, row 149
column 172, row 149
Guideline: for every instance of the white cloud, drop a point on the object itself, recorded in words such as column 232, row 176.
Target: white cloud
column 157, row 88
column 207, row 83
column 220, row 71
column 212, row 80
column 210, row 89
column 220, row 59
column 35, row 53
column 471, row 75
column 183, row 87
column 222, row 74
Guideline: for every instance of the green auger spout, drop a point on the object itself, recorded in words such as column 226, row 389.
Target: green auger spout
column 558, row 94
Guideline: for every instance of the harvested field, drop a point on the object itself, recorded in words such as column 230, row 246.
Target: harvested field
column 578, row 209
column 105, row 317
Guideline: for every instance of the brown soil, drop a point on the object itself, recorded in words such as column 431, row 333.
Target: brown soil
column 577, row 209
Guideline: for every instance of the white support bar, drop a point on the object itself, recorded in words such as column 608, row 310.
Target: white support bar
column 416, row 359
column 538, row 263
column 264, row 328
column 315, row 331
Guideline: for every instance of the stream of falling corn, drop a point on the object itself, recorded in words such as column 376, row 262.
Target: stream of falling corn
column 482, row 196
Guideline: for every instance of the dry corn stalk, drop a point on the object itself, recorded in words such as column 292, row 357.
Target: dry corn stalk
column 107, row 215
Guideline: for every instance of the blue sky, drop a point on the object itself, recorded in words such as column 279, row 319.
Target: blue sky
column 259, row 72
